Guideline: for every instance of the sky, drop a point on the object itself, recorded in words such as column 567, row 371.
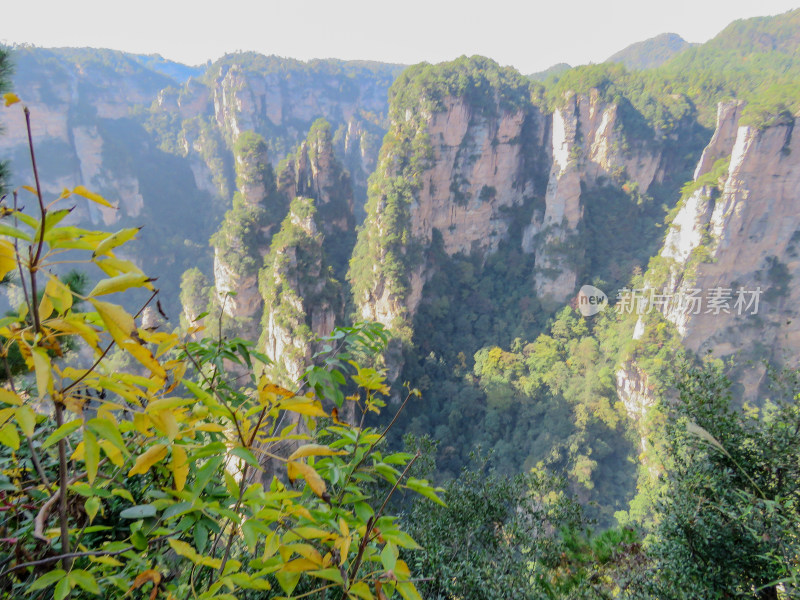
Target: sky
column 528, row 34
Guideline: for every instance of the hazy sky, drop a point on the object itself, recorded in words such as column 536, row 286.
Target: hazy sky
column 531, row 35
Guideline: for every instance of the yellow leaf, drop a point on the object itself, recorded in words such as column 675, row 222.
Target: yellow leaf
column 112, row 452
column 114, row 240
column 91, row 455
column 44, row 377
column 106, row 560
column 304, row 406
column 9, row 436
column 45, row 307
column 8, row 258
column 144, row 356
column 360, row 589
column 315, row 450
column 120, row 283
column 9, row 397
column 118, row 322
column 26, row 419
column 82, row 191
column 59, row 294
column 297, row 469
column 269, row 390
column 299, row 565
column 113, row 266
column 153, row 455
column 6, row 414
column 75, row 325
column 308, row 552
column 183, row 549
column 10, row 98
column 179, row 467
column 79, row 452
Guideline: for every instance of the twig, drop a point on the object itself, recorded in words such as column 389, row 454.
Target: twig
column 372, row 446
column 72, row 555
column 62, row 484
column 19, row 261
column 106, row 351
column 33, row 266
column 374, row 519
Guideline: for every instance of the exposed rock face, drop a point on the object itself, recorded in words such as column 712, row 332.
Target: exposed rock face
column 725, row 133
column 301, row 299
column 81, row 146
column 482, row 165
column 740, row 242
column 247, row 301
column 587, row 149
column 635, row 392
column 315, row 172
column 477, row 165
column 477, row 170
column 242, row 240
column 245, row 99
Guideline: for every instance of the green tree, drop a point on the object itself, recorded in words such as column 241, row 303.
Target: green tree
column 729, row 514
column 497, row 537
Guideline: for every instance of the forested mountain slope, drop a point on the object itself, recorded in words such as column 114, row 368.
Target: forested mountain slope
column 462, row 205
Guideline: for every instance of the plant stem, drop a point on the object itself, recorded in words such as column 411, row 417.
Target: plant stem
column 62, row 483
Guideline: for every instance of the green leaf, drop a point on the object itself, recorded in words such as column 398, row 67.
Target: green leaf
column 177, row 509
column 91, row 506
column 91, row 455
column 62, row 589
column 205, row 474
column 246, row 456
column 26, row 419
column 331, row 574
column 62, row 432
column 200, row 535
column 108, row 431
column 232, row 485
column 288, row 581
column 11, row 231
column 46, row 580
column 85, row 580
column 424, row 488
column 389, row 556
column 140, row 511
column 401, row 538
column 9, row 436
column 123, row 494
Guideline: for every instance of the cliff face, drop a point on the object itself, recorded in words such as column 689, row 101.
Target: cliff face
column 243, row 238
column 588, row 149
column 730, row 255
column 738, row 240
column 71, row 95
column 315, row 172
column 466, row 173
column 302, row 300
column 250, row 92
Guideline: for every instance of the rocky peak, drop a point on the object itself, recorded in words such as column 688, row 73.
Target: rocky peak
column 301, row 299
column 588, row 148
column 736, row 236
column 314, row 171
column 243, row 238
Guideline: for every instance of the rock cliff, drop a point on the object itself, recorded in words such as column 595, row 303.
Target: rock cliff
column 588, row 149
column 735, row 240
column 464, row 174
column 302, row 300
